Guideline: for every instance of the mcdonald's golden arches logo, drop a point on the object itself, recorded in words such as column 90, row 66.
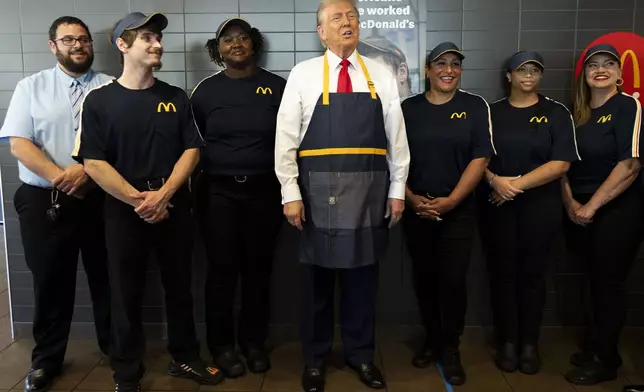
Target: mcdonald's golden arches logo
column 604, row 119
column 539, row 119
column 264, row 90
column 631, row 46
column 167, row 107
column 458, row 115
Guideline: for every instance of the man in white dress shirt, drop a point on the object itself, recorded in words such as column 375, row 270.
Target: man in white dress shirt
column 342, row 158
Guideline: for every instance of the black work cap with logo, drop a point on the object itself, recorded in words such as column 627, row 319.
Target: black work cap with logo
column 523, row 57
column 602, row 48
column 233, row 22
column 441, row 49
column 137, row 20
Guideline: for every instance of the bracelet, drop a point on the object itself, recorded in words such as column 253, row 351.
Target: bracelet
column 491, row 179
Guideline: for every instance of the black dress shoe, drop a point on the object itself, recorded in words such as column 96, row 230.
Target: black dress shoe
column 39, row 379
column 257, row 358
column 425, row 356
column 370, row 375
column 313, row 380
column 452, row 367
column 506, row 357
column 591, row 373
column 580, row 358
column 228, row 361
column 634, row 388
column 529, row 361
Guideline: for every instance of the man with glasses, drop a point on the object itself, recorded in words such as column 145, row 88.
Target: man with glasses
column 59, row 207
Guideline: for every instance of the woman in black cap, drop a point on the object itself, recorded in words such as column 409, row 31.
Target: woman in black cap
column 603, row 198
column 450, row 140
column 520, row 207
column 238, row 197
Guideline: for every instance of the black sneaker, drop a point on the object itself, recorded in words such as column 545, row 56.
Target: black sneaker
column 127, row 387
column 257, row 358
column 229, row 363
column 452, row 367
column 197, row 371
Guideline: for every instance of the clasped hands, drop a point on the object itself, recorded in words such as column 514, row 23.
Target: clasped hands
column 71, row 180
column 581, row 214
column 503, row 190
column 432, row 208
column 153, row 206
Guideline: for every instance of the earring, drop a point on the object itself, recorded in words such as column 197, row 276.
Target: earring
column 619, row 82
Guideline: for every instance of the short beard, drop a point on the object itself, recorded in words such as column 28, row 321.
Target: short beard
column 69, row 64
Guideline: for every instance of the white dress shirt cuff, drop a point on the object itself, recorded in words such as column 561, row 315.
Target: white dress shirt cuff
column 291, row 193
column 397, row 190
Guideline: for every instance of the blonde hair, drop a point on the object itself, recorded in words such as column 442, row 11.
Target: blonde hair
column 325, row 3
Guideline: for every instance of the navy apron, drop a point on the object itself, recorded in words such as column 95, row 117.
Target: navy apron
column 344, row 179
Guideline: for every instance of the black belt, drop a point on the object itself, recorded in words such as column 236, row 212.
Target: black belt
column 242, row 179
column 150, row 185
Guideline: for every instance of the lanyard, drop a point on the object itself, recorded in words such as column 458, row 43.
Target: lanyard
column 325, row 93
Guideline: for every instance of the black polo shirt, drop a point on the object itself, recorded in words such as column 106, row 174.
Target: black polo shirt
column 444, row 139
column 237, row 117
column 526, row 138
column 141, row 133
column 611, row 135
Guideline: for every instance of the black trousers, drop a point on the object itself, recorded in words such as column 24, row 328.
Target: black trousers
column 240, row 218
column 357, row 313
column 607, row 247
column 517, row 240
column 131, row 241
column 440, row 253
column 51, row 252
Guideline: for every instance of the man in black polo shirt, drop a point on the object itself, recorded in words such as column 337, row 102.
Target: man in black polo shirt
column 139, row 142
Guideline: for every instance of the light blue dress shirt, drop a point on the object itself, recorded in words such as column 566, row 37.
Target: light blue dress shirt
column 41, row 111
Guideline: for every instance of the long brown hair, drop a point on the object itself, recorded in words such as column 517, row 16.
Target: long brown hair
column 581, row 100
column 581, row 109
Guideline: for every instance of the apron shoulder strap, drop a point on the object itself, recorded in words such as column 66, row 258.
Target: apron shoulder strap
column 325, row 92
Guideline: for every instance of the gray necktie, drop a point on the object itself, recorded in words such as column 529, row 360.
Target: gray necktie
column 77, row 101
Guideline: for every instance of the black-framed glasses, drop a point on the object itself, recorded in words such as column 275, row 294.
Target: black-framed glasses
column 71, row 41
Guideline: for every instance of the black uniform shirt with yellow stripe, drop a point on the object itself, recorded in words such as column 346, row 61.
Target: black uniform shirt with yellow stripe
column 611, row 135
column 526, row 138
column 141, row 133
column 237, row 117
column 444, row 139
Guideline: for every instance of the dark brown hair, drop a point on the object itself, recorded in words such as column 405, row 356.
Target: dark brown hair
column 70, row 20
column 256, row 38
column 129, row 36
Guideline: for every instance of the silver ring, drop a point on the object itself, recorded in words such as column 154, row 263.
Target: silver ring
column 241, row 181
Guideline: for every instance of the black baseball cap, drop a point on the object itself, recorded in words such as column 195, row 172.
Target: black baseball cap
column 235, row 21
column 441, row 49
column 602, row 48
column 524, row 57
column 136, row 20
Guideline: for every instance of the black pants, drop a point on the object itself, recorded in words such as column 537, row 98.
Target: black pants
column 240, row 218
column 51, row 252
column 357, row 313
column 517, row 240
column 440, row 253
column 607, row 247
column 130, row 241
